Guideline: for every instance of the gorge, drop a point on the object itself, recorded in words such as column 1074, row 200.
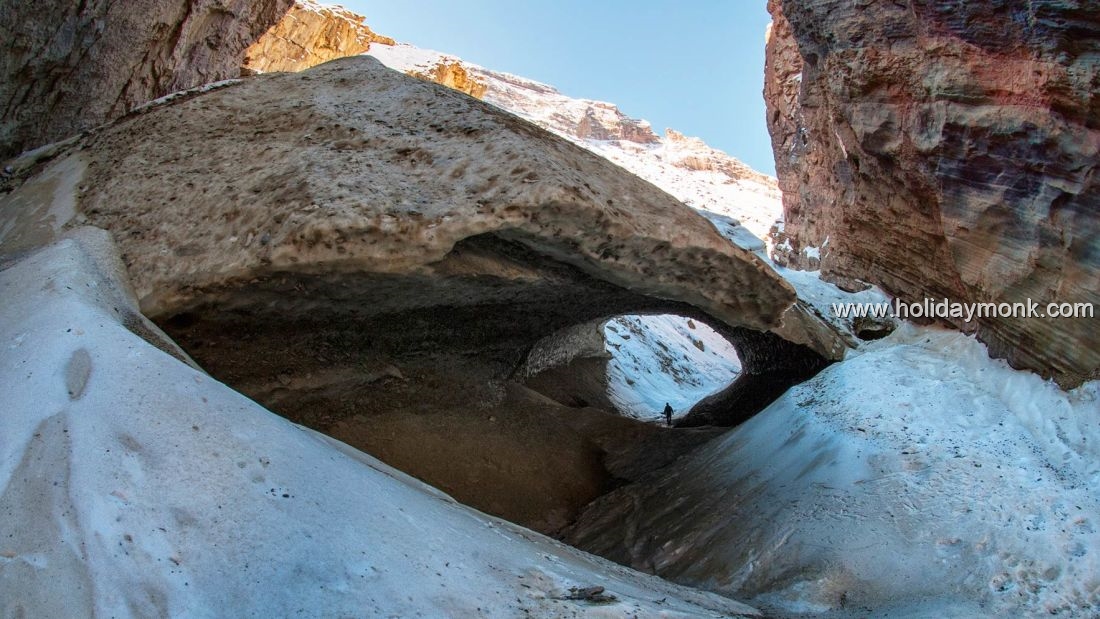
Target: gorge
column 466, row 275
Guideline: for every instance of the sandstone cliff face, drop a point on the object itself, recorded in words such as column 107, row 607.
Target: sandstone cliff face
column 453, row 75
column 705, row 178
column 692, row 153
column 66, row 67
column 948, row 149
column 309, row 34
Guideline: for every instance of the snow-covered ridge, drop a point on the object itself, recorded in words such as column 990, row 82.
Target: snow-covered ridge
column 702, row 177
column 331, row 11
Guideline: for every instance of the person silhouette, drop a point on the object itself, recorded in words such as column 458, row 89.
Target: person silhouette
column 668, row 414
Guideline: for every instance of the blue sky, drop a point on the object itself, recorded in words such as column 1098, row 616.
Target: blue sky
column 695, row 66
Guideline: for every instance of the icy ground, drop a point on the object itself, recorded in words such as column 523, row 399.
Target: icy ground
column 917, row 478
column 133, row 485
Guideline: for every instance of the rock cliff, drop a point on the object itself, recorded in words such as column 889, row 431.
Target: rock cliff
column 66, row 67
column 946, row 149
column 308, row 35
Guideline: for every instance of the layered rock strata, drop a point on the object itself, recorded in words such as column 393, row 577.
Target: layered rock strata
column 947, row 150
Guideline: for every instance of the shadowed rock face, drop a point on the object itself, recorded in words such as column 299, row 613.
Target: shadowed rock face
column 373, row 255
column 948, row 149
column 67, row 67
column 771, row 365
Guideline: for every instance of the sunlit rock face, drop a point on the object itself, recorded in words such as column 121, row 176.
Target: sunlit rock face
column 454, row 75
column 132, row 484
column 308, row 35
column 353, row 168
column 946, row 149
column 67, row 67
column 311, row 34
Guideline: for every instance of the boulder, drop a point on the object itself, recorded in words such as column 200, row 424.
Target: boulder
column 373, row 255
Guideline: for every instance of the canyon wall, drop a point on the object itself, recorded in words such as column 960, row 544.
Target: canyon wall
column 67, row 67
column 309, row 34
column 942, row 149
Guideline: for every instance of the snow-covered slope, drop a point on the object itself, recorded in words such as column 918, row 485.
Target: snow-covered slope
column 917, row 478
column 659, row 359
column 133, row 485
column 696, row 174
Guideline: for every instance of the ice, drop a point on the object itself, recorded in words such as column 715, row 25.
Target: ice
column 132, row 484
column 918, row 477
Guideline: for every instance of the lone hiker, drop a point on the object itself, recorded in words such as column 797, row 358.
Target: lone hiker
column 668, row 414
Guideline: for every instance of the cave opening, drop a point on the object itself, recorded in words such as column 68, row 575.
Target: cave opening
column 633, row 365
column 444, row 373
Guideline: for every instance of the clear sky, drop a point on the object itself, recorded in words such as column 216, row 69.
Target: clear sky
column 693, row 65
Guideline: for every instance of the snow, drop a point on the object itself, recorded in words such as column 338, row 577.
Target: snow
column 729, row 189
column 407, row 58
column 180, row 94
column 755, row 205
column 918, row 477
column 737, row 234
column 666, row 358
column 819, row 296
column 132, row 484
